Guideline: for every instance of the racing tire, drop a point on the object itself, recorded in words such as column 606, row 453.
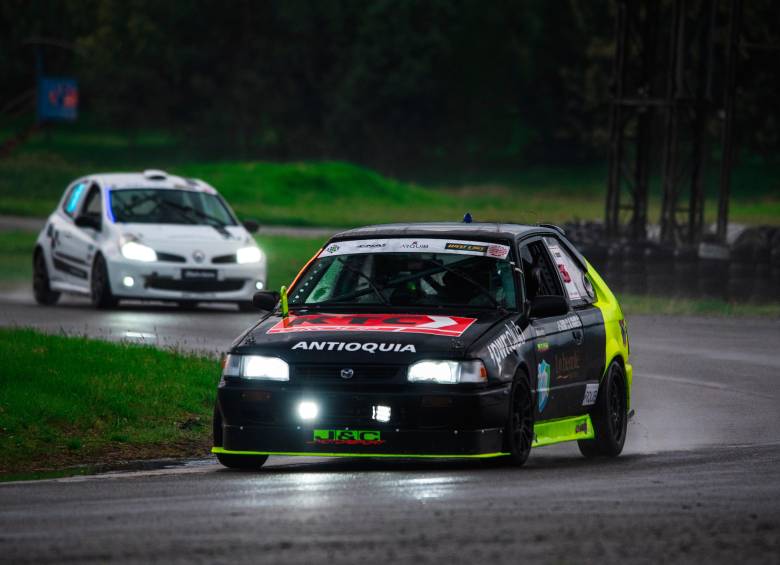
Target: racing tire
column 100, row 286
column 609, row 416
column 520, row 427
column 245, row 462
column 42, row 291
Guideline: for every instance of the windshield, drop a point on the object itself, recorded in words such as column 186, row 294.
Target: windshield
column 166, row 206
column 411, row 279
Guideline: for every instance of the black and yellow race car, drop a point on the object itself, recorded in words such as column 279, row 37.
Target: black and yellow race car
column 451, row 340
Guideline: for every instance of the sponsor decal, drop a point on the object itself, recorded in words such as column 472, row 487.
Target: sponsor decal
column 581, row 428
column 540, row 331
column 591, row 394
column 542, row 346
column 564, row 264
column 347, row 437
column 394, row 245
column 353, row 346
column 451, row 326
column 543, row 390
column 567, row 365
column 624, row 332
column 508, row 342
column 466, row 247
column 347, row 373
column 569, row 323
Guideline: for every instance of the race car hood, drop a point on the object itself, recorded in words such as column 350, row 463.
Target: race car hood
column 174, row 235
column 382, row 338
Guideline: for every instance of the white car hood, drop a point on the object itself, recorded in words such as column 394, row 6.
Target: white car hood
column 174, row 237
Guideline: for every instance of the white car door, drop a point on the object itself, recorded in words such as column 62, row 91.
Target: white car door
column 66, row 267
column 77, row 243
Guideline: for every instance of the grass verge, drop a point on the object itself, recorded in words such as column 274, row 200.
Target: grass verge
column 664, row 306
column 67, row 401
column 33, row 178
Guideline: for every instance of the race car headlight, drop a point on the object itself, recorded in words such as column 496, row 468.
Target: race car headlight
column 248, row 255
column 256, row 367
column 138, row 252
column 447, row 372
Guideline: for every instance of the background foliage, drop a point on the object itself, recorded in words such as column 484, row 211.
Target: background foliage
column 394, row 84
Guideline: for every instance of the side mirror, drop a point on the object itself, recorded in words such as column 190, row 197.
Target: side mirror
column 251, row 226
column 88, row 222
column 265, row 300
column 548, row 307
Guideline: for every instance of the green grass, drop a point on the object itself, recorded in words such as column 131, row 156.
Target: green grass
column 340, row 194
column 69, row 400
column 662, row 306
column 16, row 256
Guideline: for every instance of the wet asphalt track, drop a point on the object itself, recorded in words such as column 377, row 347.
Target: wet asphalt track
column 699, row 480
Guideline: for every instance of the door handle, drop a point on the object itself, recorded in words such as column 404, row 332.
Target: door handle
column 577, row 336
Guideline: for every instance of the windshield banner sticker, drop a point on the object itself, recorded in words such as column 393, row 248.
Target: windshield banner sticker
column 399, row 245
column 451, row 326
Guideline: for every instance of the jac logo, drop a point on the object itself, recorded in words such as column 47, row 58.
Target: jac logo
column 348, row 437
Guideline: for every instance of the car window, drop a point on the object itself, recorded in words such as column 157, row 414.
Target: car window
column 538, row 271
column 73, row 199
column 93, row 203
column 574, row 279
column 168, row 206
column 408, row 279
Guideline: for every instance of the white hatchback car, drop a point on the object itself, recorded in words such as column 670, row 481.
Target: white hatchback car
column 146, row 236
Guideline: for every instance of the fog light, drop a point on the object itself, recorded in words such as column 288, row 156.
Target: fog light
column 128, row 281
column 259, row 285
column 308, row 410
column 381, row 413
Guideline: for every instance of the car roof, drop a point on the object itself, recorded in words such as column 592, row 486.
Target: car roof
column 151, row 178
column 480, row 230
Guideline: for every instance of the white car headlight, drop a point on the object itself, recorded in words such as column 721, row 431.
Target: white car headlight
column 248, row 255
column 256, row 367
column 138, row 252
column 447, row 372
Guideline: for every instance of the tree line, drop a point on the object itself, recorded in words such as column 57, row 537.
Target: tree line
column 390, row 83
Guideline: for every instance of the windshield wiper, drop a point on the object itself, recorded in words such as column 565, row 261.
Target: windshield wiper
column 468, row 279
column 217, row 225
column 369, row 280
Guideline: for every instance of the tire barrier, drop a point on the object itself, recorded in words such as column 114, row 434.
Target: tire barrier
column 747, row 270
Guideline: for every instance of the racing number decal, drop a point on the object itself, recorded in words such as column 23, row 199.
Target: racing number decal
column 452, row 326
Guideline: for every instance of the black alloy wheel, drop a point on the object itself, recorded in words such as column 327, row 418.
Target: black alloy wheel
column 100, row 287
column 42, row 291
column 520, row 429
column 609, row 416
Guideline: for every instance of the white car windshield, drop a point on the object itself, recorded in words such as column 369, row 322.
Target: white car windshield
column 167, row 206
column 407, row 279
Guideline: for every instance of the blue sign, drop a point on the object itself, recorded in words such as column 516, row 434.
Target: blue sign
column 58, row 98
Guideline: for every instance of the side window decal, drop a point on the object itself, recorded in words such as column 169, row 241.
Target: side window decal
column 73, row 199
column 571, row 274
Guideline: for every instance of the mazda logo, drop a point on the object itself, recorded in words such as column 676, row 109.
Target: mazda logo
column 199, row 256
column 347, row 373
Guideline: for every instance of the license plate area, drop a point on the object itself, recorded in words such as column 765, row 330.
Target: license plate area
column 199, row 274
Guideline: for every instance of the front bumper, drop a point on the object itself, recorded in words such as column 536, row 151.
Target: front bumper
column 422, row 423
column 164, row 281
